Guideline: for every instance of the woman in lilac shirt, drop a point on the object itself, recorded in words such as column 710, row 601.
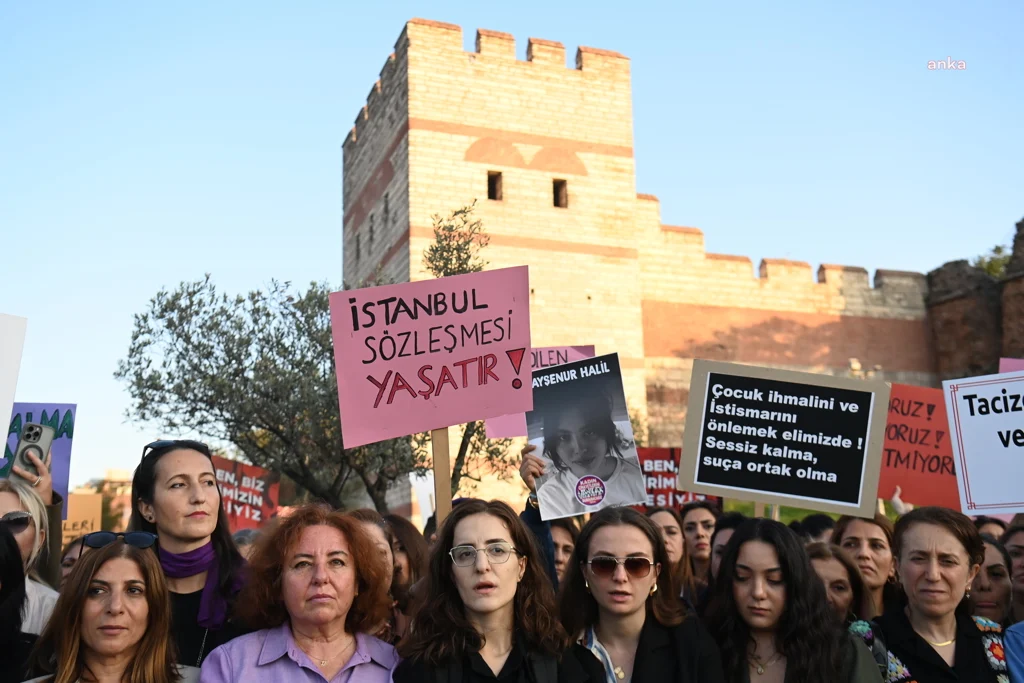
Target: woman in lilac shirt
column 317, row 585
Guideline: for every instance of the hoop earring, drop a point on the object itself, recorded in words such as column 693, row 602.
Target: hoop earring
column 654, row 589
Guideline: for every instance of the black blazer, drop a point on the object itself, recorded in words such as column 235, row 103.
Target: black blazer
column 577, row 665
column 677, row 654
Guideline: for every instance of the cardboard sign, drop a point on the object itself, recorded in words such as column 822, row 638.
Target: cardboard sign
column 425, row 355
column 661, row 472
column 60, row 416
column 1011, row 365
column 986, row 422
column 249, row 493
column 781, row 437
column 918, row 452
column 85, row 515
column 580, row 425
column 12, row 342
column 511, row 426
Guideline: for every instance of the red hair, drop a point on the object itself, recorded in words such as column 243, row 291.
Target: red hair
column 261, row 603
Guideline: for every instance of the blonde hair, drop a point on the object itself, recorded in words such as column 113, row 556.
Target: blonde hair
column 34, row 506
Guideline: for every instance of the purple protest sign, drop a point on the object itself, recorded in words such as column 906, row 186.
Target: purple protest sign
column 511, row 426
column 60, row 416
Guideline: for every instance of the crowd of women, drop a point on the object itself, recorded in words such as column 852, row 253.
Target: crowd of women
column 498, row 595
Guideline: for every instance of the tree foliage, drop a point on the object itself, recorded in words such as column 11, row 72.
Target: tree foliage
column 257, row 372
column 459, row 239
column 995, row 261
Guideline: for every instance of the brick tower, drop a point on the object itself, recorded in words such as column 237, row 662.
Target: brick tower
column 546, row 150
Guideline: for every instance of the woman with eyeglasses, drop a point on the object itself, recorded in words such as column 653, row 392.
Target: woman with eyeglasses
column 489, row 611
column 770, row 615
column 318, row 590
column 115, row 618
column 15, row 644
column 175, row 495
column 620, row 601
column 23, row 512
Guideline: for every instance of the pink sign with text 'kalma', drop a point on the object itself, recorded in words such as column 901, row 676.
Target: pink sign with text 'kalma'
column 511, row 426
column 419, row 356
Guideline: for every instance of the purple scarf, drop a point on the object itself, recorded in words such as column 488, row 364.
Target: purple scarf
column 213, row 610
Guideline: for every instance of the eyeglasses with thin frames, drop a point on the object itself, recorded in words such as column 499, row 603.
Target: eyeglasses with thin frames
column 497, row 553
column 637, row 567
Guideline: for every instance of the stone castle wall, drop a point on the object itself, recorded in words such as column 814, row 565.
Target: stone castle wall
column 603, row 270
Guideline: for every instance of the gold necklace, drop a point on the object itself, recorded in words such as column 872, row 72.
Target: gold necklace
column 760, row 666
column 324, row 662
column 619, row 673
column 948, row 642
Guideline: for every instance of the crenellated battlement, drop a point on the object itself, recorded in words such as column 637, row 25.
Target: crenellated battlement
column 442, row 41
column 782, row 278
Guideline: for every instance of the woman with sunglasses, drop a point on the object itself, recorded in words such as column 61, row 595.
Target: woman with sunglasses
column 23, row 512
column 14, row 643
column 771, row 618
column 115, row 618
column 175, row 495
column 620, row 600
column 489, row 611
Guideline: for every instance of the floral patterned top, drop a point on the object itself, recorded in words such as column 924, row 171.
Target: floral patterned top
column 979, row 657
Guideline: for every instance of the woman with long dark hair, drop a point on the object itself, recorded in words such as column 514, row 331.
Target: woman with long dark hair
column 699, row 520
column 114, row 620
column 14, row 644
column 992, row 591
column 488, row 610
column 670, row 524
column 621, row 601
column 934, row 638
column 410, row 552
column 176, row 496
column 770, row 616
column 868, row 543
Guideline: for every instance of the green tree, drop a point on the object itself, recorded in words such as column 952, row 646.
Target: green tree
column 994, row 262
column 256, row 372
column 639, row 424
column 458, row 240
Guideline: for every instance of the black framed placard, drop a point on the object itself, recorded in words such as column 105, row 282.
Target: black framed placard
column 783, row 437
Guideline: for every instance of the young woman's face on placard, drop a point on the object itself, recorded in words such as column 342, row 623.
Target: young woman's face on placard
column 578, row 442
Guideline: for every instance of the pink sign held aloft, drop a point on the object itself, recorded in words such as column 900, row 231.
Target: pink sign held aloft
column 511, row 426
column 1011, row 365
column 419, row 356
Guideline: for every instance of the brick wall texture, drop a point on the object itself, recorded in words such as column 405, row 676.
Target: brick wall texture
column 604, row 270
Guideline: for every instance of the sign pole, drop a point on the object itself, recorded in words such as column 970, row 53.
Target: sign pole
column 758, row 509
column 442, row 474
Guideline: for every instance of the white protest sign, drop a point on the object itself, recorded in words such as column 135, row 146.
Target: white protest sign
column 12, row 341
column 986, row 421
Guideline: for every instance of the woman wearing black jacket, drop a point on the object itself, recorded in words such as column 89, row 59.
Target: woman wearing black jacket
column 14, row 644
column 488, row 612
column 620, row 600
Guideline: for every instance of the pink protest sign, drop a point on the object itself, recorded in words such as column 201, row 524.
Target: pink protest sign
column 1011, row 365
column 511, row 426
column 426, row 355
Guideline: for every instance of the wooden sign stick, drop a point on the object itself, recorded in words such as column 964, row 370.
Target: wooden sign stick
column 442, row 474
column 759, row 509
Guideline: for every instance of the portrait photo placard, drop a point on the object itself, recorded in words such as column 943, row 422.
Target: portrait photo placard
column 783, row 437
column 580, row 426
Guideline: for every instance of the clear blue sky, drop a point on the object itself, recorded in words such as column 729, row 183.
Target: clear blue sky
column 141, row 146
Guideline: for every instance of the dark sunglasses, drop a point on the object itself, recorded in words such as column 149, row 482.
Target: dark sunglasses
column 179, row 443
column 101, row 539
column 637, row 567
column 16, row 521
